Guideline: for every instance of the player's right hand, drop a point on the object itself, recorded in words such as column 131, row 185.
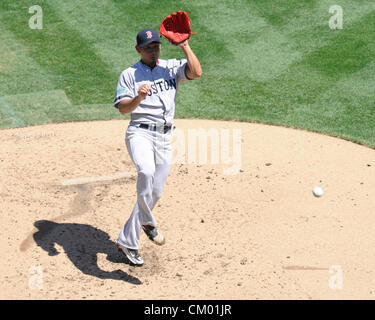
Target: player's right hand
column 144, row 90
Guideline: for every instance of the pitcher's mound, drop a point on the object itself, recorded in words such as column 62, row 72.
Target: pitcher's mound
column 238, row 213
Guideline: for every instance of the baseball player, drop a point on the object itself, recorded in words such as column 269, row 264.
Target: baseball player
column 147, row 90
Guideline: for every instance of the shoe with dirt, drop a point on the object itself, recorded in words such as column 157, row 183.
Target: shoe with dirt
column 154, row 235
column 132, row 254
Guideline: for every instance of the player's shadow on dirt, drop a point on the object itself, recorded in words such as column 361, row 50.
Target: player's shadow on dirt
column 82, row 243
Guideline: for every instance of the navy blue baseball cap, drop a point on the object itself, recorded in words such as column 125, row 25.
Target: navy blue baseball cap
column 147, row 36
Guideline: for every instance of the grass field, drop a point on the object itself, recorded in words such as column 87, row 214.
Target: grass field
column 275, row 62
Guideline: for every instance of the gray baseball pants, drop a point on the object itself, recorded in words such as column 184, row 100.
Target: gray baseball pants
column 151, row 153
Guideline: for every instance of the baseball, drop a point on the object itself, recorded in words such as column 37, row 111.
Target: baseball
column 318, row 191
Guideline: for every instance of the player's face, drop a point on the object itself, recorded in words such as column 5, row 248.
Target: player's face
column 150, row 54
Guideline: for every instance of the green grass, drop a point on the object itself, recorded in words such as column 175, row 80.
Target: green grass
column 275, row 62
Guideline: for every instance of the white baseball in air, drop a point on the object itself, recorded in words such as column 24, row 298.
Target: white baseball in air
column 318, row 191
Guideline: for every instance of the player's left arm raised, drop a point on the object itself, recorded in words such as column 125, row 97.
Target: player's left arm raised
column 193, row 69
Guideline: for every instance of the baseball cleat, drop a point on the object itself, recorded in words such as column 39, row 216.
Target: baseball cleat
column 132, row 254
column 154, row 235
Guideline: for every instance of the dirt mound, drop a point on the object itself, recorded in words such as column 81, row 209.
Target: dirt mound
column 237, row 211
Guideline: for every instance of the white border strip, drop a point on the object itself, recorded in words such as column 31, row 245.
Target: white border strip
column 96, row 179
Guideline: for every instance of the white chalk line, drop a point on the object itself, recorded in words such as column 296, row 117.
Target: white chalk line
column 115, row 176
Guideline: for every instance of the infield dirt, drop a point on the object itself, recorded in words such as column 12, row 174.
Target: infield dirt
column 236, row 228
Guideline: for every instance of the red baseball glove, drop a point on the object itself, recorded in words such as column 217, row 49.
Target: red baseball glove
column 176, row 27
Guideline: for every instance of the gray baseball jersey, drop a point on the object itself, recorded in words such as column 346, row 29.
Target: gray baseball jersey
column 159, row 106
